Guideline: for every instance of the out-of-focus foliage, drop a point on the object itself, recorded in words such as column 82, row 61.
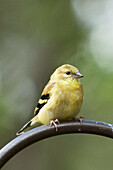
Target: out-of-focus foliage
column 35, row 38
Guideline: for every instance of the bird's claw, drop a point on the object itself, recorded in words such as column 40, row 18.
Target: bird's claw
column 79, row 119
column 54, row 123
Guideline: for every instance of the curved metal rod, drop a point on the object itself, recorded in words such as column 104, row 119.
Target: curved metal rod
column 42, row 132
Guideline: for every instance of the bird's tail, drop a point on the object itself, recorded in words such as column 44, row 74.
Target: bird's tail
column 31, row 124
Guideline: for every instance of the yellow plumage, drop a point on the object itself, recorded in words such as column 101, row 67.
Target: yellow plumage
column 61, row 98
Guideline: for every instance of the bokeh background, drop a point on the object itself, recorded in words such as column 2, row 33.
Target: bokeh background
column 35, row 38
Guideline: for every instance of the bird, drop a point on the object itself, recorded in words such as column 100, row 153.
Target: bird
column 60, row 100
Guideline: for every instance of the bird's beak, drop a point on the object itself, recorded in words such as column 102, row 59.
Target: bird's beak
column 78, row 75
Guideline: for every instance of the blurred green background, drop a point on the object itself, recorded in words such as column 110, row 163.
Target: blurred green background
column 35, row 38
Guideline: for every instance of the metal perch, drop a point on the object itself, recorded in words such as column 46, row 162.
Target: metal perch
column 42, row 132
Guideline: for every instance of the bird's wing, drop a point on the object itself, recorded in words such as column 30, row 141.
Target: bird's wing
column 45, row 96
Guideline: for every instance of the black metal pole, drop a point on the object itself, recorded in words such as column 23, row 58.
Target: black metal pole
column 42, row 132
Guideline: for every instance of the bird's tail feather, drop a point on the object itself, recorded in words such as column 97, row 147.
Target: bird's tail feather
column 25, row 128
column 31, row 124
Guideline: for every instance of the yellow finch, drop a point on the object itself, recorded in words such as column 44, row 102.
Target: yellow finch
column 61, row 98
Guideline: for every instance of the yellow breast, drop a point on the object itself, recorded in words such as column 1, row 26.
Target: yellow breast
column 64, row 103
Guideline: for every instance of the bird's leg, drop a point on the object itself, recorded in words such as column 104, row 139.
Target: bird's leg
column 79, row 119
column 54, row 123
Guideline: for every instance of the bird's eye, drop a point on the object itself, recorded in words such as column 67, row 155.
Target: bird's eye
column 68, row 72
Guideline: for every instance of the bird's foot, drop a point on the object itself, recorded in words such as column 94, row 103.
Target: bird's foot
column 54, row 123
column 79, row 119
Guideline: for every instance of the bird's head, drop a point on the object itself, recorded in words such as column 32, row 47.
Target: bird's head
column 66, row 72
